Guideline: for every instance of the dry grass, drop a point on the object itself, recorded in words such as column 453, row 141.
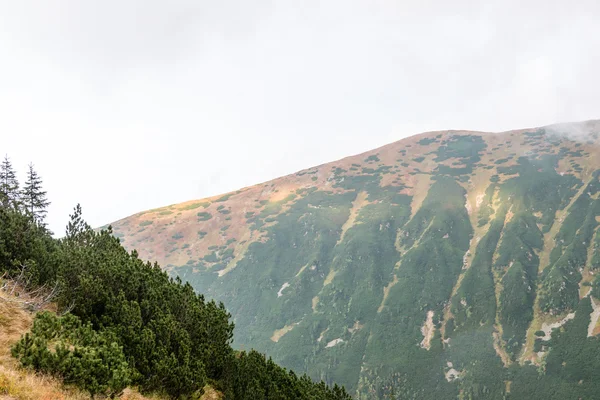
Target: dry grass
column 357, row 204
column 210, row 394
column 14, row 321
column 19, row 384
column 129, row 394
column 279, row 333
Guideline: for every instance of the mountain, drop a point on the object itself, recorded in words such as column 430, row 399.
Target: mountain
column 446, row 264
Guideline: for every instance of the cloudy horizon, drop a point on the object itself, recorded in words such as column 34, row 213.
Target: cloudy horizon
column 124, row 106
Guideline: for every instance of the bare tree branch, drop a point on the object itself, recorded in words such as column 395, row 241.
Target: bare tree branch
column 30, row 299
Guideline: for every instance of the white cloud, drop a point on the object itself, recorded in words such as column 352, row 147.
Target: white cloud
column 129, row 105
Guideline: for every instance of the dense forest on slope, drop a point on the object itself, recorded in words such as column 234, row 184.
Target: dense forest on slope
column 122, row 321
column 449, row 264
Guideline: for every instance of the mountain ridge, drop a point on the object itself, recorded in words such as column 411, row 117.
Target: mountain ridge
column 367, row 152
column 345, row 160
column 470, row 246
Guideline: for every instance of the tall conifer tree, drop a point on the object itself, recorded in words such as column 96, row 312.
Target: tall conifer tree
column 34, row 197
column 9, row 185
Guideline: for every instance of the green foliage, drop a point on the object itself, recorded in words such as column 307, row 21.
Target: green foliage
column 271, row 208
column 539, row 187
column 426, row 274
column 22, row 242
column 146, row 223
column 486, row 210
column 518, row 261
column 129, row 322
column 341, row 289
column 560, row 286
column 224, row 198
column 64, row 347
column 375, row 344
column 193, row 206
column 162, row 340
column 516, row 306
column 595, row 262
column 204, row 216
column 426, row 141
column 465, row 148
column 474, row 304
column 34, row 197
column 259, row 378
column 352, row 336
column 10, row 195
column 570, row 368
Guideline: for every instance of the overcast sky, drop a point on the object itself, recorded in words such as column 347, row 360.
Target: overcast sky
column 129, row 105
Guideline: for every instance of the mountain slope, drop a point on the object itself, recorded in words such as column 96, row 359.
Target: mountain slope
column 18, row 383
column 431, row 267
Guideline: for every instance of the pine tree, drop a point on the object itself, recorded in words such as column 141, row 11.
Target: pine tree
column 78, row 231
column 34, row 197
column 9, row 186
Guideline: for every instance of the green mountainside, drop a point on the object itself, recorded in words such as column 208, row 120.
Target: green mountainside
column 446, row 265
column 102, row 321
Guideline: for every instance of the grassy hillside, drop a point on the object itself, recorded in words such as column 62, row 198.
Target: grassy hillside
column 449, row 264
column 114, row 321
column 20, row 384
